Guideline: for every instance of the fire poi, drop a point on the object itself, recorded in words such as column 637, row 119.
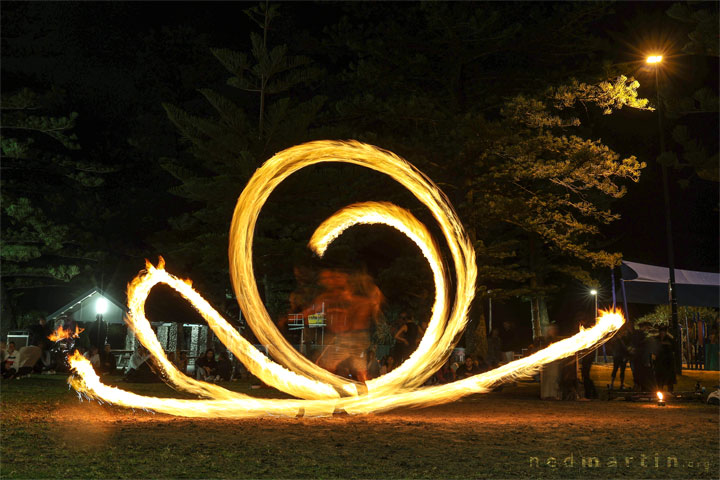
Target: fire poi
column 318, row 391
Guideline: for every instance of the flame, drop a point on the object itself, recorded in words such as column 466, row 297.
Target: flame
column 320, row 392
column 62, row 334
column 660, row 396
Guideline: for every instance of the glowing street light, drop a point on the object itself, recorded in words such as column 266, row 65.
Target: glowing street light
column 655, row 61
column 101, row 306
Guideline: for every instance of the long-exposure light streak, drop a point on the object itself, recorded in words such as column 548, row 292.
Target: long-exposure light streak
column 321, row 392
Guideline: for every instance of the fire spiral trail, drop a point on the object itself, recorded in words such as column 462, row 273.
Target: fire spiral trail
column 320, row 392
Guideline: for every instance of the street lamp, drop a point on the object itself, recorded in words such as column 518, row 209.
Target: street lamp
column 655, row 61
column 100, row 309
column 594, row 293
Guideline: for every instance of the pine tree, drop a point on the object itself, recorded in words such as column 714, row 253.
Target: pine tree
column 47, row 198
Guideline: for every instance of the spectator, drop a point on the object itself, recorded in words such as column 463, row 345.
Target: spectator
column 224, row 367
column 108, row 364
column 206, row 367
column 665, row 359
column 8, row 363
column 467, row 369
column 406, row 338
column 445, row 374
column 494, row 346
column 508, row 342
column 181, row 361
column 373, row 366
column 640, row 352
column 139, row 367
column 94, row 356
column 388, row 364
column 27, row 358
column 619, row 351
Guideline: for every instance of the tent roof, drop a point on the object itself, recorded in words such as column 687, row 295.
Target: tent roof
column 81, row 299
column 649, row 284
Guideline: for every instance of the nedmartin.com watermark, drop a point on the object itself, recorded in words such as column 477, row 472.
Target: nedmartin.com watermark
column 654, row 461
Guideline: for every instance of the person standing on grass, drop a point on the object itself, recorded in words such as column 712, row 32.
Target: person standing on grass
column 664, row 360
column 619, row 351
column 108, row 364
column 406, row 338
column 508, row 341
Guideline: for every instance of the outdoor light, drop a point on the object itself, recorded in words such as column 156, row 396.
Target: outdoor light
column 654, row 59
column 661, row 402
column 101, row 306
column 593, row 292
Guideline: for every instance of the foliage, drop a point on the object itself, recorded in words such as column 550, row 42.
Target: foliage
column 47, row 194
column 661, row 315
column 227, row 147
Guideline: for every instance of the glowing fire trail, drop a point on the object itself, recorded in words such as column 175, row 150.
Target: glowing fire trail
column 322, row 391
column 89, row 384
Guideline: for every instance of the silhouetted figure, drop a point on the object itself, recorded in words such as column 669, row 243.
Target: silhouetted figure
column 508, row 341
column 108, row 363
column 406, row 338
column 640, row 351
column 665, row 360
column 224, row 367
column 620, row 357
column 206, row 366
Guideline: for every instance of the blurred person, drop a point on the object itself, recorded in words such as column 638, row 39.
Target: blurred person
column 446, row 374
column 494, row 345
column 406, row 338
column 373, row 366
column 224, row 367
column 206, row 366
column 586, row 363
column 28, row 357
column 93, row 355
column 508, row 341
column 108, row 363
column 619, row 352
column 388, row 364
column 181, row 361
column 664, row 359
column 640, row 351
column 353, row 305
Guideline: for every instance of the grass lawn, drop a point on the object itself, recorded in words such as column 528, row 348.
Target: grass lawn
column 47, row 433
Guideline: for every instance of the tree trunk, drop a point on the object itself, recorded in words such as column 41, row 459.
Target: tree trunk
column 480, row 347
column 8, row 321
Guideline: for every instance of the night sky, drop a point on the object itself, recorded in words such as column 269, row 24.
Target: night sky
column 90, row 50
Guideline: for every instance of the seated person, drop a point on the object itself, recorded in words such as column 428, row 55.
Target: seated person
column 206, row 367
column 224, row 367
column 139, row 367
column 108, row 363
column 181, row 361
column 8, row 362
column 26, row 360
column 94, row 356
column 467, row 369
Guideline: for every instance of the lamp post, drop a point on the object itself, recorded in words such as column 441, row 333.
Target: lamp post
column 594, row 293
column 655, row 61
column 100, row 309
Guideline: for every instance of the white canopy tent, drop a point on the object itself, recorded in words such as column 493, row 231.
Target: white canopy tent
column 650, row 284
